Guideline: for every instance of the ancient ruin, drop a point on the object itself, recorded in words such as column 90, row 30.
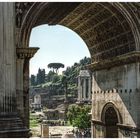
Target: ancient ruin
column 112, row 34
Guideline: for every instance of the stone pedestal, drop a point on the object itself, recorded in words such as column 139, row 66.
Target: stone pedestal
column 44, row 131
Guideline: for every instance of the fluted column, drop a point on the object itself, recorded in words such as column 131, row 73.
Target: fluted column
column 19, row 86
column 79, row 89
column 84, row 89
column 89, row 89
column 7, row 59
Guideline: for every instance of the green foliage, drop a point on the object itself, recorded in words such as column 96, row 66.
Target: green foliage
column 41, row 76
column 33, row 80
column 73, row 71
column 57, row 83
column 55, row 66
column 55, row 78
column 49, row 76
column 79, row 116
column 33, row 121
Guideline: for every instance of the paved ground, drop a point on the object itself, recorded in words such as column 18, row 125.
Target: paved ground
column 55, row 131
column 60, row 130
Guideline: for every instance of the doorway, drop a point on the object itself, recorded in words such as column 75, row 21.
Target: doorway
column 111, row 121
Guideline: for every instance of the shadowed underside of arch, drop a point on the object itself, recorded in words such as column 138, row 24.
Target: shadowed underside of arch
column 108, row 29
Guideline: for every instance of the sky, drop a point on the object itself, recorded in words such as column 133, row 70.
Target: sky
column 57, row 44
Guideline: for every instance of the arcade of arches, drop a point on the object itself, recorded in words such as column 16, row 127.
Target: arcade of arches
column 112, row 34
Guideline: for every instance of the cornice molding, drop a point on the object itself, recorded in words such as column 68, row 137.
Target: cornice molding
column 131, row 57
column 98, row 122
column 26, row 53
column 128, row 127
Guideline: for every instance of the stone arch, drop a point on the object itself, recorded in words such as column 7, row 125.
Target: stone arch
column 106, row 106
column 93, row 25
column 110, row 30
column 111, row 120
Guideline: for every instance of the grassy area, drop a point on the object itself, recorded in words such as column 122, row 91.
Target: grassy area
column 33, row 121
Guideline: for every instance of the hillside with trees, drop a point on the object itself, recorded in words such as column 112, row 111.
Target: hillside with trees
column 55, row 81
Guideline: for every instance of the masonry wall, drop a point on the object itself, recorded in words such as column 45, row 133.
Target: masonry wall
column 119, row 85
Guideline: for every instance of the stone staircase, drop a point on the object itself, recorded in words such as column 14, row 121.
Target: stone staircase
column 12, row 127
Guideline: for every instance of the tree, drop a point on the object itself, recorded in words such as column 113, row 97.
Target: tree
column 79, row 116
column 49, row 76
column 64, row 80
column 41, row 76
column 82, row 120
column 55, row 66
column 72, row 112
column 55, row 78
column 33, row 81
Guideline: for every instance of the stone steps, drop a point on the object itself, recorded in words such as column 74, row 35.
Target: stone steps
column 11, row 126
column 11, row 123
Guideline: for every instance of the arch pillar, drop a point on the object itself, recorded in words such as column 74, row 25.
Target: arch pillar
column 11, row 124
column 23, row 57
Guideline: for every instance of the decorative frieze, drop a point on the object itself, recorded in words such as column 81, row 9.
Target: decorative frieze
column 21, row 9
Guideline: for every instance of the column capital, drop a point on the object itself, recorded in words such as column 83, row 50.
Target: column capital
column 26, row 53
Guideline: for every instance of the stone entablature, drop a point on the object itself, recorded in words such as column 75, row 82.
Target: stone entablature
column 28, row 53
column 128, row 58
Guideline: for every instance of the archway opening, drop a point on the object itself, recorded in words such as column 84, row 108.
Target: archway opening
column 57, row 90
column 111, row 121
column 57, row 44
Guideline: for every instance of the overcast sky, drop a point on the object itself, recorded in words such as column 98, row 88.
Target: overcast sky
column 57, row 44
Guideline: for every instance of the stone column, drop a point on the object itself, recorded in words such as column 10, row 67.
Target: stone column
column 7, row 59
column 89, row 89
column 26, row 90
column 19, row 86
column 84, row 92
column 87, row 82
column 79, row 89
column 11, row 124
